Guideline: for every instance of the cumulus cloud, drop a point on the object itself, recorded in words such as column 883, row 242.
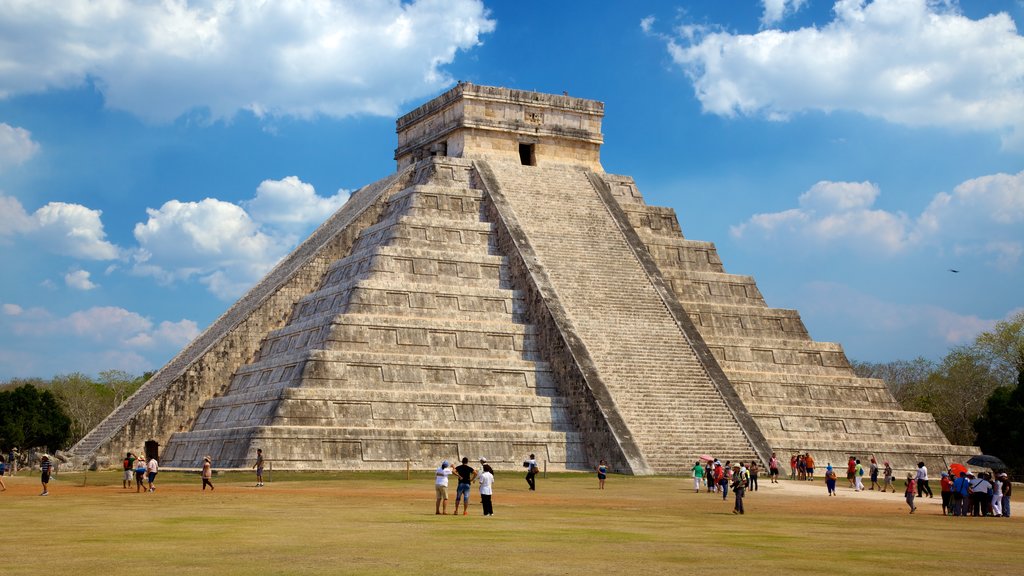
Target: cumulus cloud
column 910, row 62
column 776, row 10
column 79, row 280
column 160, row 60
column 90, row 340
column 226, row 246
column 16, row 146
column 983, row 215
column 291, row 203
column 66, row 229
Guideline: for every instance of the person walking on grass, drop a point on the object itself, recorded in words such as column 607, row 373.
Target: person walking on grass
column 531, row 471
column 466, row 476
column 45, row 468
column 773, row 469
column 874, row 473
column 207, row 473
column 486, row 490
column 922, row 481
column 889, row 477
column 739, row 488
column 946, row 485
column 851, row 471
column 858, row 476
column 1007, row 488
column 128, row 465
column 911, row 486
column 602, row 474
column 441, row 488
column 259, row 467
column 830, row 479
column 698, row 476
column 753, row 472
column 140, row 474
column 151, row 471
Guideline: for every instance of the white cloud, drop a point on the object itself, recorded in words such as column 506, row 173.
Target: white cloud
column 11, row 309
column 16, row 146
column 981, row 216
column 79, row 280
column 911, row 62
column 776, row 10
column 160, row 60
column 105, row 325
column 223, row 245
column 66, row 229
column 291, row 203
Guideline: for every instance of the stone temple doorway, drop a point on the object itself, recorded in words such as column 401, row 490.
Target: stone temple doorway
column 152, row 450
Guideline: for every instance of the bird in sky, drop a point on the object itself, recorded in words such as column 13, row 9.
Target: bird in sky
column 954, row 271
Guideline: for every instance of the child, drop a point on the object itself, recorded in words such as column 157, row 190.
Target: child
column 911, row 485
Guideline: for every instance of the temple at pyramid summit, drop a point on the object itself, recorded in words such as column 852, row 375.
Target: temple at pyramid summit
column 499, row 295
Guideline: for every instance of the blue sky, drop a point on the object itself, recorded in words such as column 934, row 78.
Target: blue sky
column 156, row 158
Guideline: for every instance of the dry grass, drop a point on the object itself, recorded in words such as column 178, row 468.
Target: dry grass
column 382, row 524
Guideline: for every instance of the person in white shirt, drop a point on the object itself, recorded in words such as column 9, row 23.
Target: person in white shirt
column 486, row 481
column 441, row 488
column 922, row 481
column 152, row 468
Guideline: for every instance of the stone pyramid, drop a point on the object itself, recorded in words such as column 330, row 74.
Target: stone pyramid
column 502, row 295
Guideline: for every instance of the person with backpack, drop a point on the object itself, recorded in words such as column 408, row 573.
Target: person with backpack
column 830, row 479
column 739, row 488
column 128, row 465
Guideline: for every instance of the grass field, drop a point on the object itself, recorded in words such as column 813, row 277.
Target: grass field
column 381, row 523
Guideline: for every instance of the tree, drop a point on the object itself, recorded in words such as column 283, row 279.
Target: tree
column 30, row 418
column 900, row 376
column 1004, row 348
column 1001, row 427
column 86, row 402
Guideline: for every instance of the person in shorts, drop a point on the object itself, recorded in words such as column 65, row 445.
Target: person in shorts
column 441, row 488
column 259, row 467
column 466, row 475
column 128, row 464
column 140, row 474
column 151, row 471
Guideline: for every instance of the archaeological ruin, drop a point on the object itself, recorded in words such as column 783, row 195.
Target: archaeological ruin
column 501, row 295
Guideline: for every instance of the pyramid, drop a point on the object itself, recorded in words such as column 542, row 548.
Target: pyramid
column 501, row 295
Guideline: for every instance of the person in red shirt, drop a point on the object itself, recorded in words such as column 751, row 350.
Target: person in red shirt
column 911, row 490
column 947, row 495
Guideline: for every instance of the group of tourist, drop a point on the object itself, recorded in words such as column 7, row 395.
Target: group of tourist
column 138, row 469
column 466, row 475
column 967, row 494
column 801, row 466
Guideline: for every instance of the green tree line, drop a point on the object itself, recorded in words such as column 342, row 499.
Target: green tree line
column 975, row 392
column 54, row 414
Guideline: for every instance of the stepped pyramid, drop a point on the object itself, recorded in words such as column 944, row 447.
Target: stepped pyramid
column 502, row 295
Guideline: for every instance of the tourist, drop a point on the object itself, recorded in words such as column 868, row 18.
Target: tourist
column 754, row 471
column 873, row 468
column 698, row 476
column 858, row 476
column 259, row 467
column 207, row 473
column 889, row 477
column 486, row 490
column 922, row 481
column 1007, row 488
column 809, row 465
column 128, row 466
column 961, row 494
column 739, row 485
column 851, row 470
column 140, row 473
column 726, row 479
column 909, row 492
column 718, row 476
column 3, row 467
column 45, row 468
column 602, row 474
column 466, row 476
column 980, row 497
column 830, row 479
column 801, row 467
column 792, row 467
column 151, row 471
column 709, row 482
column 531, row 471
column 441, row 488
column 773, row 469
column 946, row 485
column 997, row 496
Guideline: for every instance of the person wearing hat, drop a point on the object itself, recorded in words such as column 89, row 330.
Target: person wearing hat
column 45, row 467
column 207, row 473
column 739, row 488
column 441, row 488
column 997, row 496
column 487, row 489
column 1007, row 488
column 909, row 492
